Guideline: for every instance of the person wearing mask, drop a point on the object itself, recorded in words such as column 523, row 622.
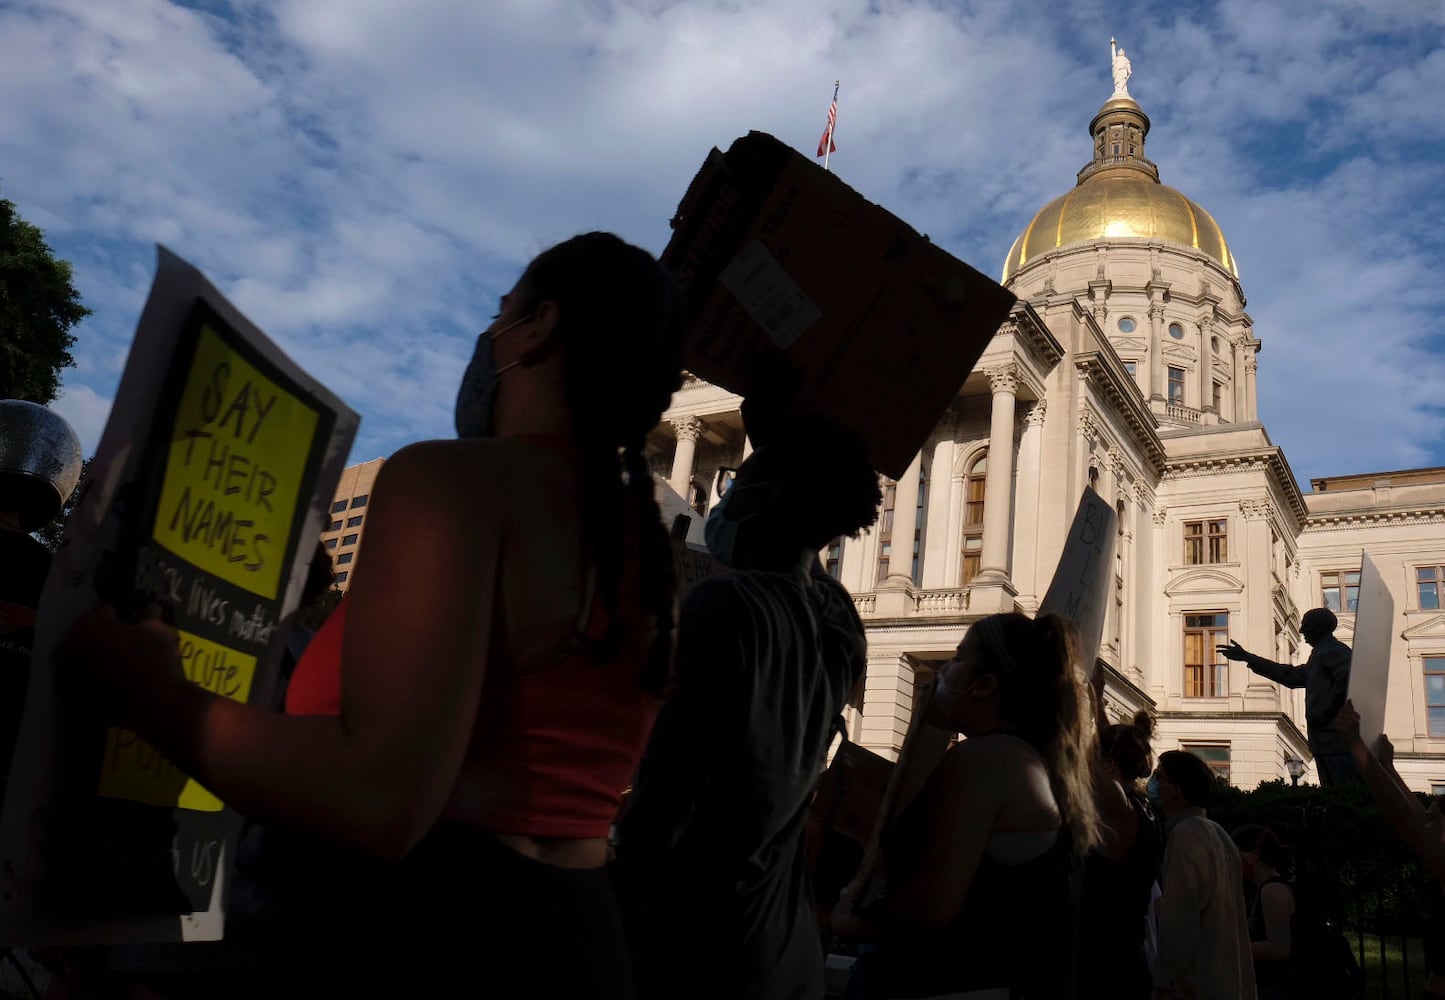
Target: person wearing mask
column 979, row 865
column 1325, row 677
column 1204, row 950
column 710, row 852
column 473, row 709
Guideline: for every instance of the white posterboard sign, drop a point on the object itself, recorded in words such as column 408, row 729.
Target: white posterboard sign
column 1081, row 588
column 1370, row 661
column 209, row 489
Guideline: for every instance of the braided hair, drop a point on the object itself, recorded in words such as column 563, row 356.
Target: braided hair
column 620, row 328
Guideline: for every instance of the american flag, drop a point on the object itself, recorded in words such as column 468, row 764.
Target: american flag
column 825, row 144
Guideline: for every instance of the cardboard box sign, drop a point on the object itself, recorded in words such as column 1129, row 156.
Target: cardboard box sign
column 777, row 256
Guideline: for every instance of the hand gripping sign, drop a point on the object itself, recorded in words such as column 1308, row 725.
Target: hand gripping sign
column 209, row 488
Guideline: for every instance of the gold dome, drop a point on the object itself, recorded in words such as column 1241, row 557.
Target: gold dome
column 1119, row 197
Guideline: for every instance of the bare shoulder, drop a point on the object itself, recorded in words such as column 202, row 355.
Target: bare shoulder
column 462, row 476
column 989, row 757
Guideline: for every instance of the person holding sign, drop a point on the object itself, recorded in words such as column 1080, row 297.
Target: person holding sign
column 477, row 703
column 979, row 864
column 1326, row 680
column 710, row 854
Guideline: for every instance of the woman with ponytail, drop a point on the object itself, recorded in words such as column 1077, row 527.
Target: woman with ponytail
column 1122, row 872
column 979, row 865
column 474, row 708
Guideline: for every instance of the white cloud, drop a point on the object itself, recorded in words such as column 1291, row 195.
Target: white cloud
column 364, row 177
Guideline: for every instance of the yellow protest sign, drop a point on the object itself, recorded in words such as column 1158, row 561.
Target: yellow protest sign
column 138, row 772
column 238, row 453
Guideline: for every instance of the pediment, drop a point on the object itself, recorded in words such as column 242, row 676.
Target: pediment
column 1431, row 628
column 1204, row 580
column 1178, row 352
column 1126, row 346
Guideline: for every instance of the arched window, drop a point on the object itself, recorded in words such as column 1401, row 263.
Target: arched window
column 885, row 528
column 973, row 496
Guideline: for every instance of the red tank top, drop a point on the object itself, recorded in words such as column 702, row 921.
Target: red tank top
column 553, row 749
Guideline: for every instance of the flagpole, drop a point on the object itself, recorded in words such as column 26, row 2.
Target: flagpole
column 832, row 124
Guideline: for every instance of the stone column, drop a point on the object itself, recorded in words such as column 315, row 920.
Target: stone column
column 1250, row 406
column 1256, row 632
column 905, row 519
column 938, row 509
column 1241, row 405
column 998, row 484
column 688, row 429
column 1206, row 363
column 1031, row 445
column 1158, row 386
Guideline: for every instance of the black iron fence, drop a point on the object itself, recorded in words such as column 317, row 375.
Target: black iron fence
column 1350, row 868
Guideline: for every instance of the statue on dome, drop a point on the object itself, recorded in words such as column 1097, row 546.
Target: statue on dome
column 1122, row 69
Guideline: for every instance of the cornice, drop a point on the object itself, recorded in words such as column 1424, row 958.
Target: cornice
column 1113, row 385
column 1029, row 329
column 1346, row 520
column 1270, row 462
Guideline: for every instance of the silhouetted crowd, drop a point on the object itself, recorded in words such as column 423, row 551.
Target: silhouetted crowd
column 435, row 803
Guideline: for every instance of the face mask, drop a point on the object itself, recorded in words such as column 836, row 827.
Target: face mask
column 477, row 396
column 1152, row 790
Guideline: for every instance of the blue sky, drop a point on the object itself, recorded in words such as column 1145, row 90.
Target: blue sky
column 363, row 178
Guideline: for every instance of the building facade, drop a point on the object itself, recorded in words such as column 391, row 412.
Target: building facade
column 1128, row 364
column 343, row 532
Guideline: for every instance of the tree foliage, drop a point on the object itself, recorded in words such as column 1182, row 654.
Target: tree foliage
column 38, row 307
column 50, row 533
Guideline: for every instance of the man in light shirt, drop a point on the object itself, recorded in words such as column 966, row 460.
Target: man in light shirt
column 1204, row 949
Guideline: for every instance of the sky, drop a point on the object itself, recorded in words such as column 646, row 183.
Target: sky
column 364, row 178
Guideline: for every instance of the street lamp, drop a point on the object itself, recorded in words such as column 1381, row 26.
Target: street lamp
column 1295, row 767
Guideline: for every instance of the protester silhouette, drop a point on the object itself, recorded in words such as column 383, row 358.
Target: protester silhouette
column 1204, row 951
column 1121, row 874
column 710, row 852
column 40, row 463
column 497, row 661
column 1325, row 677
column 978, row 866
column 1272, row 905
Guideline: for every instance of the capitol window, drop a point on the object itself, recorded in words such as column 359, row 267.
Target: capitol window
column 1340, row 589
column 1435, row 694
column 973, row 496
column 1132, row 367
column 1427, row 586
column 1176, row 385
column 1206, row 672
column 1126, row 324
column 1216, row 755
column 1176, row 331
column 1206, row 541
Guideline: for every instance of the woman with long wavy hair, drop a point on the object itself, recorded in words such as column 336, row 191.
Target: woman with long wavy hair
column 473, row 710
column 980, row 864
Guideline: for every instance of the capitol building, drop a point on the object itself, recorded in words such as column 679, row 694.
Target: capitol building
column 1128, row 364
